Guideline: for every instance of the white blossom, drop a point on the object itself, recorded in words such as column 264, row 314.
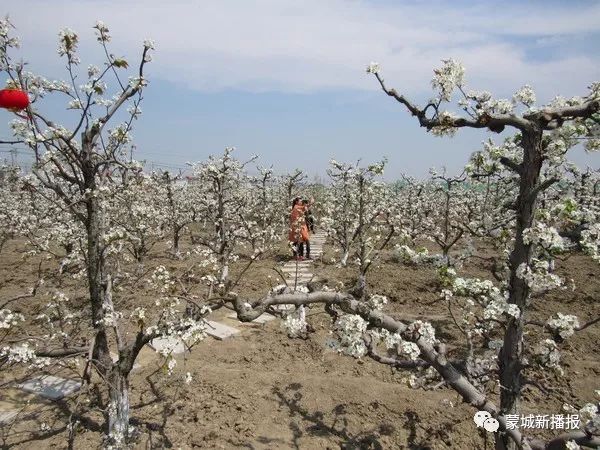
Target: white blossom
column 563, row 324
column 377, row 302
column 548, row 354
column 373, row 68
column 423, row 330
column 543, row 235
column 449, row 76
column 9, row 319
column 525, row 95
column 350, row 329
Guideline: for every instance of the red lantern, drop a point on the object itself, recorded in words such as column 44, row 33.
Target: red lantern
column 14, row 99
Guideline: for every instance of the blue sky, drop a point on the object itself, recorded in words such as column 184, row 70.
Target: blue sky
column 286, row 79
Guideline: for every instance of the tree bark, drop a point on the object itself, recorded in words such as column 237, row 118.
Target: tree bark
column 176, row 232
column 345, row 256
column 118, row 409
column 511, row 354
column 97, row 284
column 96, row 278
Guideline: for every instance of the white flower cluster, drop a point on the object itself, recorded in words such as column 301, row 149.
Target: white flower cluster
column 548, row 355
column 373, row 68
column 9, row 319
column 446, row 127
column 149, row 43
column 473, row 287
column 547, row 237
column 590, row 241
column 110, row 317
column 137, row 82
column 186, row 330
column 564, row 324
column 538, row 276
column 5, row 40
column 161, row 279
column 295, row 322
column 420, row 256
column 498, row 306
column 93, row 71
column 525, row 95
column 409, row 349
column 135, row 111
column 449, row 76
column 171, row 364
column 22, row 354
column 390, row 340
column 377, row 302
column 395, row 341
column 75, row 104
column 486, row 294
column 589, row 412
column 423, row 330
column 350, row 329
column 67, row 44
column 486, row 104
column 102, row 31
column 589, row 415
column 113, row 235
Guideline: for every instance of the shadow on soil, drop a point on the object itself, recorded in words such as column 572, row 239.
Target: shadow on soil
column 334, row 425
column 317, row 424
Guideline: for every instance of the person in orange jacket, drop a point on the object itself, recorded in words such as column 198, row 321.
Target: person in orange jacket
column 298, row 234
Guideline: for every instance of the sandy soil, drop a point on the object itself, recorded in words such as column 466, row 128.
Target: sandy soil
column 262, row 390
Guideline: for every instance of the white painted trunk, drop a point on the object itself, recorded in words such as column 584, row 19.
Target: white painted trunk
column 225, row 272
column 118, row 410
column 344, row 260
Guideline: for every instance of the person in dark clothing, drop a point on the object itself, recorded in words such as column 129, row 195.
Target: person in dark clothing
column 310, row 219
column 310, row 223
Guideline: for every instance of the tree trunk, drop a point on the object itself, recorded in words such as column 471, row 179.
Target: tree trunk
column 344, row 259
column 118, row 409
column 510, row 356
column 361, row 232
column 98, row 285
column 176, row 231
column 96, row 266
column 224, row 272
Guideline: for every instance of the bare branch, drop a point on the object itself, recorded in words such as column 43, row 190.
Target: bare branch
column 61, row 352
column 588, row 324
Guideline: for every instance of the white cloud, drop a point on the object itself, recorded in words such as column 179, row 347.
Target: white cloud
column 312, row 45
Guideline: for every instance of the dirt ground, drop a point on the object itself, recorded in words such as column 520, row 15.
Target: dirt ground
column 263, row 390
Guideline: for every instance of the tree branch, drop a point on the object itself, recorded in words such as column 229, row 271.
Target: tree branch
column 494, row 123
column 518, row 168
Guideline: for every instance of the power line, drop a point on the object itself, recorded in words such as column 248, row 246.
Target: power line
column 14, row 152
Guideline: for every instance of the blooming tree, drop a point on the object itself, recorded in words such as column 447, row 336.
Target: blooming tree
column 357, row 216
column 103, row 204
column 81, row 172
column 181, row 209
column 219, row 189
column 544, row 136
